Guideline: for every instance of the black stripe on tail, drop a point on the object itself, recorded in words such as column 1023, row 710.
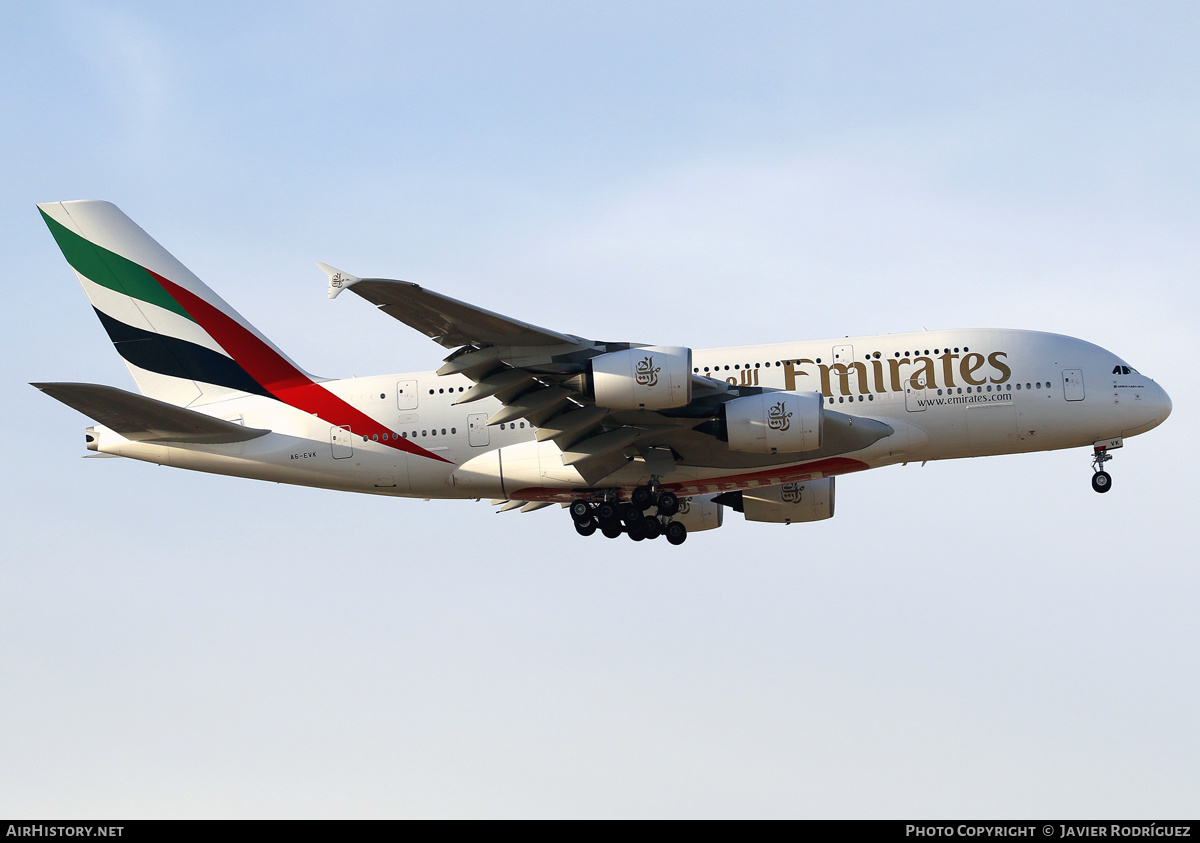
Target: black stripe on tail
column 177, row 358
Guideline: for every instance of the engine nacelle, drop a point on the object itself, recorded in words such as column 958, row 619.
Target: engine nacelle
column 811, row 500
column 699, row 513
column 775, row 422
column 655, row 377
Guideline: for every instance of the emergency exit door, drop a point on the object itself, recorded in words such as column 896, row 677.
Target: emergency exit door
column 406, row 395
column 1073, row 384
column 477, row 429
column 914, row 399
column 340, row 440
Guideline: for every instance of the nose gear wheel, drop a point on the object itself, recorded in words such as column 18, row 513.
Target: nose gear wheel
column 1101, row 479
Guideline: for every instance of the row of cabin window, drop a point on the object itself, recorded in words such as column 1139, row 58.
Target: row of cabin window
column 1007, row 386
column 374, row 437
column 873, row 355
column 404, row 434
column 739, row 366
column 959, row 391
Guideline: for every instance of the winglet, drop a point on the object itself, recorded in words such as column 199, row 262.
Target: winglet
column 338, row 280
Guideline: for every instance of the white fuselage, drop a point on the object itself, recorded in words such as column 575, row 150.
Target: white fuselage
column 946, row 394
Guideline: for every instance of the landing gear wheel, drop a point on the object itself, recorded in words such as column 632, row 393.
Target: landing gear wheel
column 652, row 527
column 611, row 529
column 676, row 532
column 1101, row 482
column 668, row 504
column 606, row 511
column 630, row 515
column 642, row 498
column 581, row 511
column 585, row 528
column 637, row 532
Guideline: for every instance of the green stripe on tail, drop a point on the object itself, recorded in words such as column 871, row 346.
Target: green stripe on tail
column 110, row 270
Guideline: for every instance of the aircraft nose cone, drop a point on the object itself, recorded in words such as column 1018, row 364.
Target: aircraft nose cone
column 1149, row 410
column 1163, row 403
column 1154, row 410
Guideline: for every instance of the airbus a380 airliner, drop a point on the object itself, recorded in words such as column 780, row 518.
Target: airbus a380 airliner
column 641, row 440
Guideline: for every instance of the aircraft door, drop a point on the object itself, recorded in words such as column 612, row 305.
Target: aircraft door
column 914, row 399
column 342, row 442
column 1073, row 384
column 406, row 395
column 477, row 429
column 843, row 354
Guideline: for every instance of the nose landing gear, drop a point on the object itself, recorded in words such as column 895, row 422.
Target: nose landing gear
column 1101, row 480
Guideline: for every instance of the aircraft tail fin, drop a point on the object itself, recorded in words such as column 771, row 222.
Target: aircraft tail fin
column 182, row 343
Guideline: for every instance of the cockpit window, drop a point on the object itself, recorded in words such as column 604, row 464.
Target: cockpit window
column 1123, row 370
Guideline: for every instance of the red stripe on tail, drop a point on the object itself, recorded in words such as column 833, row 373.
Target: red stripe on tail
column 281, row 378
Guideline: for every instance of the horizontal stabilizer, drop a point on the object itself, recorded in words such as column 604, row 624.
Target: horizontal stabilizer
column 143, row 419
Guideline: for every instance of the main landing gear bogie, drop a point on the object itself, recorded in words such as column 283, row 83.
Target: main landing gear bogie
column 611, row 530
column 642, row 498
column 612, row 518
column 668, row 504
column 676, row 532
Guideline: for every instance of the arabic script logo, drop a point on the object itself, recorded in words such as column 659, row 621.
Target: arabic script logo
column 685, row 506
column 778, row 418
column 792, row 493
column 646, row 372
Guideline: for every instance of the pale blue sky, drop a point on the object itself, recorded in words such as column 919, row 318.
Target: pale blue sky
column 979, row 638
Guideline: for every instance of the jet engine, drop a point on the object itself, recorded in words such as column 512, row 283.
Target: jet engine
column 653, row 377
column 699, row 513
column 811, row 500
column 775, row 422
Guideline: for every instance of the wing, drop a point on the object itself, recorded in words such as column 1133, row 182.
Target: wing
column 548, row 378
column 449, row 322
